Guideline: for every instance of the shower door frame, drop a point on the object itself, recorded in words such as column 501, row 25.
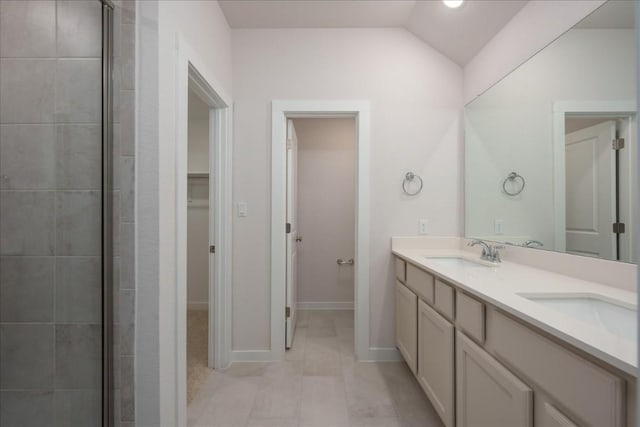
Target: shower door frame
column 108, row 416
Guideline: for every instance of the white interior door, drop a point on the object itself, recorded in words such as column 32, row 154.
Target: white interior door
column 590, row 191
column 292, row 235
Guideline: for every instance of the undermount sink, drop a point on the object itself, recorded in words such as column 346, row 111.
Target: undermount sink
column 613, row 316
column 456, row 262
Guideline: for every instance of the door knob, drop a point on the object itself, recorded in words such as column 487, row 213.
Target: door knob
column 299, row 239
column 347, row 262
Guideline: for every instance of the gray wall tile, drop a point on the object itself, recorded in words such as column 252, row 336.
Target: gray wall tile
column 116, row 157
column 27, row 29
column 78, row 289
column 127, row 189
column 128, row 12
column 79, row 157
column 26, row 356
column 78, row 408
column 26, row 408
column 128, row 407
column 127, row 256
column 127, row 59
column 127, row 123
column 27, row 157
column 27, row 223
column 116, row 224
column 28, row 88
column 78, row 225
column 127, row 321
column 79, row 29
column 26, row 289
column 78, row 356
column 78, row 91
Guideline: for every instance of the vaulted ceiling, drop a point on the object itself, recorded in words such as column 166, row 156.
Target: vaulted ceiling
column 457, row 33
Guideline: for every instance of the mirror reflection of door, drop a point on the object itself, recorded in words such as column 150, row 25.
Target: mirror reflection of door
column 597, row 186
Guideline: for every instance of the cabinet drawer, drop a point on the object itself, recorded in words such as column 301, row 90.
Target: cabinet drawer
column 444, row 299
column 470, row 316
column 590, row 394
column 421, row 282
column 401, row 270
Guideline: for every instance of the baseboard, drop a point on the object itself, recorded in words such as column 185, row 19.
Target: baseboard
column 197, row 305
column 251, row 356
column 376, row 354
column 337, row 305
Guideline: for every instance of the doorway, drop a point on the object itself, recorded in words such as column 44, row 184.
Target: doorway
column 600, row 185
column 281, row 112
column 199, row 235
column 321, row 172
column 194, row 80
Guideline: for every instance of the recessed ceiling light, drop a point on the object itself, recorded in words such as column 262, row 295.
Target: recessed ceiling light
column 453, row 3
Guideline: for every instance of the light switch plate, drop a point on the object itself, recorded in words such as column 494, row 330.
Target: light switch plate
column 242, row 209
column 498, row 226
column 423, row 227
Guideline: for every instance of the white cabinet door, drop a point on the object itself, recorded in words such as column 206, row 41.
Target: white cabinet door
column 548, row 415
column 488, row 395
column 407, row 324
column 436, row 361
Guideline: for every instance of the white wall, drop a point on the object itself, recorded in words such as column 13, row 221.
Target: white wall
column 203, row 26
column 536, row 25
column 326, row 209
column 416, row 99
column 511, row 127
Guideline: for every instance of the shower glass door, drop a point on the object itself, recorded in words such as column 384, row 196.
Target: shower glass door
column 55, row 264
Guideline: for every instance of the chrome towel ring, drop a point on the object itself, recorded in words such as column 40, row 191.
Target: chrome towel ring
column 411, row 177
column 512, row 177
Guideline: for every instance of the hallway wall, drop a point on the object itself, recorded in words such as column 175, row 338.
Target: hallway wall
column 326, row 210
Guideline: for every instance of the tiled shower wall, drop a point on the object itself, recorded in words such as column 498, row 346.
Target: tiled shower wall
column 124, row 210
column 50, row 202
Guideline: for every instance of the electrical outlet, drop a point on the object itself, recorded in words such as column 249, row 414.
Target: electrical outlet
column 424, row 226
column 498, row 226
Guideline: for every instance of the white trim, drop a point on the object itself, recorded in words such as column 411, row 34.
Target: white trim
column 560, row 109
column 384, row 354
column 198, row 305
column 239, row 356
column 191, row 71
column 280, row 111
column 326, row 305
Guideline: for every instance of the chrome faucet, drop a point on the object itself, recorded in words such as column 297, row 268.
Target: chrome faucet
column 533, row 244
column 489, row 252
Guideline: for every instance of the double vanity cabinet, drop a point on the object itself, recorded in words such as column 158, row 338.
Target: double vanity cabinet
column 480, row 366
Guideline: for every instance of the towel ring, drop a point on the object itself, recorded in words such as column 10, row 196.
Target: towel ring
column 410, row 177
column 512, row 177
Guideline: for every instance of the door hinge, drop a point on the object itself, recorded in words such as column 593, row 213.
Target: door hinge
column 287, row 312
column 212, row 249
column 617, row 144
column 288, row 228
column 618, row 227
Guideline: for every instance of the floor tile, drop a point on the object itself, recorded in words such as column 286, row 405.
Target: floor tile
column 319, row 384
column 279, row 392
column 323, row 402
column 231, row 404
column 367, row 392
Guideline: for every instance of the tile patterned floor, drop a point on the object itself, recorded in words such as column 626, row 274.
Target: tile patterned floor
column 319, row 384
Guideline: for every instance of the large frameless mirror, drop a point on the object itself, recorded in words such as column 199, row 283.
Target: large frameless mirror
column 551, row 148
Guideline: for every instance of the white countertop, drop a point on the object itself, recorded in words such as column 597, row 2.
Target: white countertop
column 500, row 285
